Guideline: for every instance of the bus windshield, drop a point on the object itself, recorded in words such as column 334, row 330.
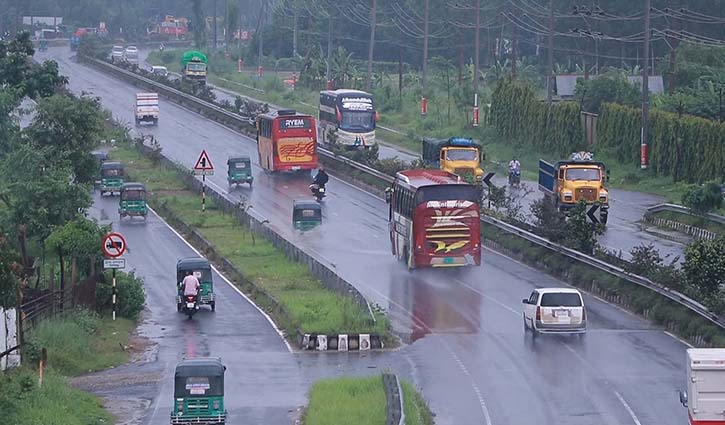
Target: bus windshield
column 358, row 121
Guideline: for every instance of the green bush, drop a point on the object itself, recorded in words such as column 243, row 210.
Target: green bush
column 130, row 297
column 168, row 57
column 703, row 198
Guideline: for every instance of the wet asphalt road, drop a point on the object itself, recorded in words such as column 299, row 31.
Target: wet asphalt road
column 468, row 351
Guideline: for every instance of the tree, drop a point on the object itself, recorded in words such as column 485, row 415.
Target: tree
column 549, row 221
column 702, row 199
column 79, row 239
column 9, row 272
column 704, row 270
column 67, row 129
column 37, row 195
column 608, row 88
column 579, row 232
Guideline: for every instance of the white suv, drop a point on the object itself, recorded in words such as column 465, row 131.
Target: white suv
column 555, row 310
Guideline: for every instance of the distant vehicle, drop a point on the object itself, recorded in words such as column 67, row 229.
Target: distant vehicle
column 112, row 177
column 193, row 67
column 457, row 155
column 350, row 115
column 239, row 170
column 202, row 270
column 286, row 141
column 555, row 310
column 147, row 108
column 117, row 53
column 160, row 70
column 130, row 55
column 132, row 201
column 434, row 219
column 306, row 215
column 580, row 178
column 705, row 395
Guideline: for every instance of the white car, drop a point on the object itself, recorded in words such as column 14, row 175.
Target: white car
column 117, row 53
column 160, row 70
column 555, row 310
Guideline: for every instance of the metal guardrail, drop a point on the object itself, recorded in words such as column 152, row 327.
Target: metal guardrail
column 684, row 210
column 673, row 295
column 573, row 254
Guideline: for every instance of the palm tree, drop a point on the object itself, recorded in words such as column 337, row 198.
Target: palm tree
column 343, row 68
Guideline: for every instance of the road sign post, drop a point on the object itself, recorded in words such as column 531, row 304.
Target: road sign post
column 203, row 167
column 113, row 246
column 591, row 212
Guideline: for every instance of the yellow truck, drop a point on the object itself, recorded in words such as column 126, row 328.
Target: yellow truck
column 579, row 178
column 456, row 155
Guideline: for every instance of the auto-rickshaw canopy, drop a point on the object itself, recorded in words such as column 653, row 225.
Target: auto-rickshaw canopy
column 199, row 377
column 196, row 264
column 133, row 192
column 306, row 211
column 111, row 169
column 239, row 162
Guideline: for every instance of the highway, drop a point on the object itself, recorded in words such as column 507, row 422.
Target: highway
column 467, row 349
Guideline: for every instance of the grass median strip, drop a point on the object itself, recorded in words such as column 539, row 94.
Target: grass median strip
column 360, row 401
column 311, row 307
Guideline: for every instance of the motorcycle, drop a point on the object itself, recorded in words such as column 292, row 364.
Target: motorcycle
column 317, row 191
column 191, row 305
column 515, row 178
column 161, row 47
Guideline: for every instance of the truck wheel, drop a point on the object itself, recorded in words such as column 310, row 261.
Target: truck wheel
column 603, row 218
column 156, row 121
column 213, row 306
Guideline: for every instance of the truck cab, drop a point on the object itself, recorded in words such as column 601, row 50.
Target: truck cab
column 457, row 155
column 579, row 178
column 705, row 395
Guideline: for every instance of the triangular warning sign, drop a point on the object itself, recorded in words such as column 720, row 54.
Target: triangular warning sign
column 203, row 163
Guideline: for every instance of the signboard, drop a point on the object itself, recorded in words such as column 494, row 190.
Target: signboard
column 342, row 342
column 293, row 123
column 114, row 245
column 116, row 263
column 364, row 342
column 591, row 215
column 357, row 103
column 203, row 165
column 322, row 342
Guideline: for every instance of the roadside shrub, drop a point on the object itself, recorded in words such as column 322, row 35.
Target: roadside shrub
column 168, row 57
column 704, row 271
column 704, row 198
column 130, row 297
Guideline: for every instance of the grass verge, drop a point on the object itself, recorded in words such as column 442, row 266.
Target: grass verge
column 22, row 401
column 691, row 220
column 81, row 342
column 308, row 305
column 360, row 401
column 76, row 343
column 642, row 301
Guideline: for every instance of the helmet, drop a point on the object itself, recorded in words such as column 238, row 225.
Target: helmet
column 322, row 169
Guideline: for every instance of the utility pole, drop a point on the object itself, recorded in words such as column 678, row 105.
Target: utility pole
column 215, row 25
column 373, row 15
column 260, row 24
column 425, row 50
column 295, row 21
column 645, row 87
column 477, row 54
column 328, row 73
column 550, row 70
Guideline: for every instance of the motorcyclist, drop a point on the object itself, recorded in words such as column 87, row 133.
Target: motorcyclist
column 161, row 47
column 514, row 165
column 321, row 178
column 191, row 284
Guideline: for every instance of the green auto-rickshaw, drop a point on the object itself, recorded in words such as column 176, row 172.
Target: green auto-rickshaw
column 199, row 392
column 111, row 177
column 132, row 202
column 306, row 215
column 202, row 270
column 239, row 170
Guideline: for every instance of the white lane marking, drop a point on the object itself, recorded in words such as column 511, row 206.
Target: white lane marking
column 478, row 291
column 481, row 402
column 156, row 398
column 269, row 319
column 680, row 339
column 629, row 409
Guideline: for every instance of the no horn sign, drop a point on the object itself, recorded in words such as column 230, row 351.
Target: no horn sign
column 114, row 245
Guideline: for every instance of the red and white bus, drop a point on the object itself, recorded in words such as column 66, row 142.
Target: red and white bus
column 434, row 219
column 287, row 141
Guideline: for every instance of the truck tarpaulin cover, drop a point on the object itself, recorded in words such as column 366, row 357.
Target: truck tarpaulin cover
column 191, row 54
